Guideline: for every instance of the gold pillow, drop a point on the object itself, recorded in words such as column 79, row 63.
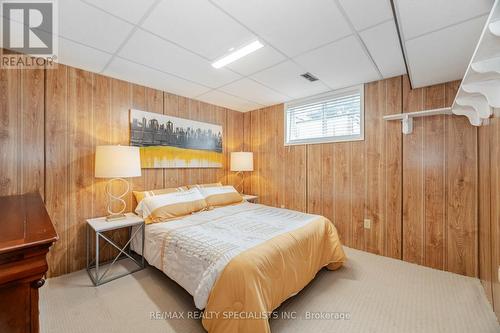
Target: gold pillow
column 139, row 195
column 220, row 196
column 169, row 206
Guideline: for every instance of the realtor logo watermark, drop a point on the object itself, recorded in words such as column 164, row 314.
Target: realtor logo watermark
column 29, row 33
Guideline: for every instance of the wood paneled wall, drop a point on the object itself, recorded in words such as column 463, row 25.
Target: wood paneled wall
column 418, row 190
column 51, row 122
column 21, row 131
column 489, row 209
column 440, row 185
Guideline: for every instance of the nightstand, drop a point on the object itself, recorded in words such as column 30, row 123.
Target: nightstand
column 100, row 226
column 250, row 198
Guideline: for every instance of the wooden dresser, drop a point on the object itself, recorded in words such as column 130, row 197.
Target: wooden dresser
column 26, row 234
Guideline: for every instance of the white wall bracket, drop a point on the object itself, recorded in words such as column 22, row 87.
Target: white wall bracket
column 407, row 124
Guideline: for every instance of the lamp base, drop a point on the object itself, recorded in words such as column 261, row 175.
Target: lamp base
column 239, row 187
column 115, row 217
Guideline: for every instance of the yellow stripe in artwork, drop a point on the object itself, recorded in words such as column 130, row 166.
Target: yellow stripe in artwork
column 173, row 157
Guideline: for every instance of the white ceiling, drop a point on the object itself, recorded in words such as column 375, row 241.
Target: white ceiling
column 170, row 44
column 440, row 36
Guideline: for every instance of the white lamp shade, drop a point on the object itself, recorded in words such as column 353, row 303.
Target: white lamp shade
column 117, row 162
column 241, row 161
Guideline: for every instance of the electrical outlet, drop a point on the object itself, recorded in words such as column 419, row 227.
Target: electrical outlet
column 368, row 224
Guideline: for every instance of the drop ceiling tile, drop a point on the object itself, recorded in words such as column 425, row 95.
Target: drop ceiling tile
column 293, row 26
column 423, row 16
column 340, row 64
column 364, row 14
column 444, row 55
column 90, row 26
column 286, row 78
column 259, row 60
column 198, row 26
column 231, row 102
column 129, row 71
column 152, row 51
column 383, row 44
column 130, row 10
column 253, row 91
column 76, row 55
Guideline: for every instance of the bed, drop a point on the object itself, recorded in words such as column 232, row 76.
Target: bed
column 240, row 262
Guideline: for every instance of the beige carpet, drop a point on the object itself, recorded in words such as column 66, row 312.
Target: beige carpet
column 377, row 294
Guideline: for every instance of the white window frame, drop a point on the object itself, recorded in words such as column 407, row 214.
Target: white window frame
column 326, row 96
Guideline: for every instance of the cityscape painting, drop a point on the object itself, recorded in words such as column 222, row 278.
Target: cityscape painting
column 172, row 142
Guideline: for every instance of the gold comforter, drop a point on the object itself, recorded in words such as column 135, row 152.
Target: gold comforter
column 258, row 280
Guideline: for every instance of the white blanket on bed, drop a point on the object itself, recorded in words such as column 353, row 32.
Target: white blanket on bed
column 194, row 250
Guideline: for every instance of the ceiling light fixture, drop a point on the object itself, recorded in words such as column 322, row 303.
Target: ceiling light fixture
column 240, row 53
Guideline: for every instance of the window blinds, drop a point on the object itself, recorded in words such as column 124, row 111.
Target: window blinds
column 333, row 117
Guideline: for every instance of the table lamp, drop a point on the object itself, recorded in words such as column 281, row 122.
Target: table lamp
column 240, row 162
column 117, row 163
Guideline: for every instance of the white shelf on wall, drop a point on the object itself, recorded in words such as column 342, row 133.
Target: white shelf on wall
column 473, row 117
column 488, row 90
column 479, row 91
column 487, row 47
column 467, row 101
column 426, row 113
column 494, row 28
column 407, row 118
column 484, row 70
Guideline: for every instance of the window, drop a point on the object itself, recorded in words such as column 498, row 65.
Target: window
column 335, row 116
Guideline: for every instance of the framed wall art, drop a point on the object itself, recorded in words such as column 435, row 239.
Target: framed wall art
column 172, row 142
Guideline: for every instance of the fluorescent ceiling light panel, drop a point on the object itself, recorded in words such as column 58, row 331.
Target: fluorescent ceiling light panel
column 240, row 53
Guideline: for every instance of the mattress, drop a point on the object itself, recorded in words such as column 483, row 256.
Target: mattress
column 196, row 252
